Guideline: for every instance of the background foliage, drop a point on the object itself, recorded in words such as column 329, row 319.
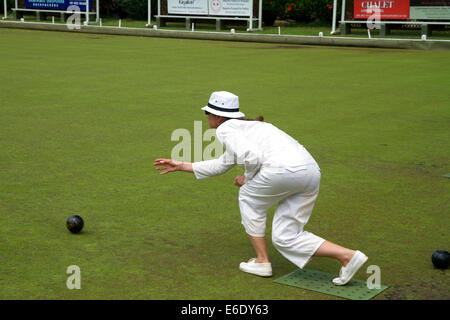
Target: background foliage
column 302, row 11
column 298, row 10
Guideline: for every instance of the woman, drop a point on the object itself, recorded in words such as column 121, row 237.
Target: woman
column 278, row 170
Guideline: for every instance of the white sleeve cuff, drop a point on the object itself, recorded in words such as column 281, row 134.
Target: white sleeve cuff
column 199, row 172
column 210, row 168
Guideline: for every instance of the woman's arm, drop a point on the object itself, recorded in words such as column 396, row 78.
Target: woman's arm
column 214, row 167
column 201, row 169
column 170, row 165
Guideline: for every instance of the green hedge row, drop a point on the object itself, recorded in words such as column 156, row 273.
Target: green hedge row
column 134, row 9
column 297, row 10
column 9, row 3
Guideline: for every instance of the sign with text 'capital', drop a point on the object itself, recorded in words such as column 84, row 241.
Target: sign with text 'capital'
column 187, row 7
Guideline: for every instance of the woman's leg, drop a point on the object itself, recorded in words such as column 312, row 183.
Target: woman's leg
column 331, row 250
column 296, row 244
column 327, row 249
column 260, row 265
column 288, row 235
column 255, row 199
column 259, row 244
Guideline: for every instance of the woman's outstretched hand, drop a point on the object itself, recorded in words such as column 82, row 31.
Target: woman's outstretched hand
column 239, row 180
column 169, row 165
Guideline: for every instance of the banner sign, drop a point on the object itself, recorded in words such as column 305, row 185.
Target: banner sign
column 209, row 7
column 57, row 4
column 430, row 9
column 430, row 3
column 393, row 9
column 187, row 6
column 229, row 7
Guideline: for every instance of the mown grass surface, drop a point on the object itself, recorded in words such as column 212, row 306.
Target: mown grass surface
column 83, row 116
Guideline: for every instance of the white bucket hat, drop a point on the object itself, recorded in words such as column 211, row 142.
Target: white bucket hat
column 224, row 104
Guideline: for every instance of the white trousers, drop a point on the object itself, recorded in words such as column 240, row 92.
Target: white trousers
column 295, row 190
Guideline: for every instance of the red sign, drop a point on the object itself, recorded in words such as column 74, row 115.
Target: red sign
column 384, row 10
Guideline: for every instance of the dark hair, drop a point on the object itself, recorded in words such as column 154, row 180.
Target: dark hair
column 260, row 118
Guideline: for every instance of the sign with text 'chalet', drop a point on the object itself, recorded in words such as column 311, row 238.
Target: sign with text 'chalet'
column 387, row 10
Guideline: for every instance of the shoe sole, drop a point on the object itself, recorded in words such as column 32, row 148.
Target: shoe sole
column 361, row 262
column 261, row 274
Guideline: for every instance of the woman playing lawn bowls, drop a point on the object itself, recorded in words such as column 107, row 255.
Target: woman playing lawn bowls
column 278, row 170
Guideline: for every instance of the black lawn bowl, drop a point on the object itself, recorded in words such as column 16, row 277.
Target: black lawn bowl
column 441, row 259
column 75, row 223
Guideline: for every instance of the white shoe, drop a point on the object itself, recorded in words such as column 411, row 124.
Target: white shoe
column 347, row 272
column 260, row 269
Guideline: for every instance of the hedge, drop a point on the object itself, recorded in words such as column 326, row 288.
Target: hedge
column 296, row 10
column 300, row 10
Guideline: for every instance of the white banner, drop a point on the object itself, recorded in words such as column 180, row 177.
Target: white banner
column 435, row 13
column 187, row 6
column 229, row 7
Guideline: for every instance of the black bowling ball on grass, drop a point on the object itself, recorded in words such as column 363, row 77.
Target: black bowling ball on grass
column 441, row 259
column 75, row 223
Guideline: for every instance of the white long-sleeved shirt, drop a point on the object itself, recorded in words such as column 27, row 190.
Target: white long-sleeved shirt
column 252, row 145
